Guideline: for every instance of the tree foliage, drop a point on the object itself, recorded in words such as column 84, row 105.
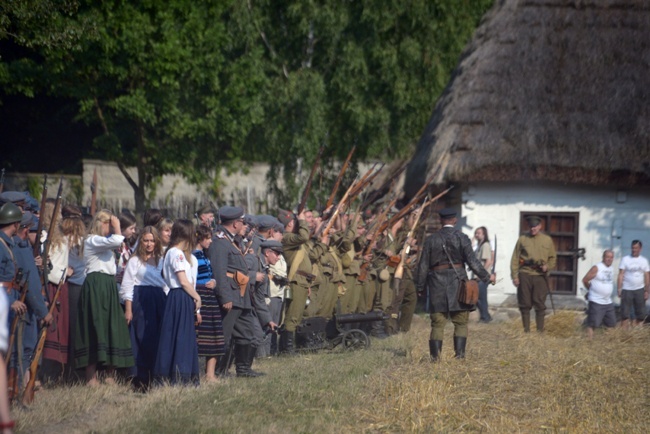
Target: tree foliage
column 186, row 87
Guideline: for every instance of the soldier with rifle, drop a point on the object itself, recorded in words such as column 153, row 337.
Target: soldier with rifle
column 532, row 259
column 26, row 334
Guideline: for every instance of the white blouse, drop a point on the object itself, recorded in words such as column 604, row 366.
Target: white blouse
column 138, row 273
column 99, row 253
column 175, row 261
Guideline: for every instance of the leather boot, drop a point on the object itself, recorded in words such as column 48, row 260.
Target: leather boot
column 539, row 319
column 224, row 362
column 378, row 330
column 525, row 319
column 435, row 348
column 244, row 355
column 459, row 346
column 286, row 343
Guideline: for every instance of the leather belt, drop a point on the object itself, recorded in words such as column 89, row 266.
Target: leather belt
column 445, row 267
column 310, row 277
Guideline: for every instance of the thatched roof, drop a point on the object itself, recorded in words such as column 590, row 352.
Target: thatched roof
column 546, row 90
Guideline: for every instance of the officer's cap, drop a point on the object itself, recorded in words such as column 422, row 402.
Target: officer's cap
column 265, row 222
column 285, row 216
column 274, row 245
column 230, row 213
column 447, row 213
column 12, row 197
column 250, row 220
column 27, row 219
column 533, row 220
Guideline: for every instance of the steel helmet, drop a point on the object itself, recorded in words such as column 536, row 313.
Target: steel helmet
column 10, row 213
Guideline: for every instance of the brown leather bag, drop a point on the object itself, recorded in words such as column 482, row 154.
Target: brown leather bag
column 240, row 279
column 468, row 291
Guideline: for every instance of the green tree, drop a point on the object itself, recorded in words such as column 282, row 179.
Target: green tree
column 355, row 72
column 174, row 90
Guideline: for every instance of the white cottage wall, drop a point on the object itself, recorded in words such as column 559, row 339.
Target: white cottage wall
column 609, row 218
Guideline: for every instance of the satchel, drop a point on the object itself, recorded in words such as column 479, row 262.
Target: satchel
column 468, row 291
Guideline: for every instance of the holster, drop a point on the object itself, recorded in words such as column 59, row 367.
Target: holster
column 240, row 279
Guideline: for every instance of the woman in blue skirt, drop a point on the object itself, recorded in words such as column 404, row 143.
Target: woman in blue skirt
column 177, row 360
column 143, row 292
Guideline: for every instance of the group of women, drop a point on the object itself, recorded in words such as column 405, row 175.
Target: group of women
column 139, row 302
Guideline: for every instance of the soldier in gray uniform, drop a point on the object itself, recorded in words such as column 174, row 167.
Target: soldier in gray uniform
column 241, row 329
column 440, row 275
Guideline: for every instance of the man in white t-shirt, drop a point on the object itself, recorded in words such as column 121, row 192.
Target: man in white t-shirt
column 633, row 285
column 600, row 282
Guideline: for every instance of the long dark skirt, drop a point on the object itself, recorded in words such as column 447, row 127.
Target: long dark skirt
column 56, row 340
column 210, row 332
column 102, row 336
column 177, row 360
column 148, row 307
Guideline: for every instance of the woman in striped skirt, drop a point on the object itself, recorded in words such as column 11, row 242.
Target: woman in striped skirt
column 210, row 332
column 143, row 292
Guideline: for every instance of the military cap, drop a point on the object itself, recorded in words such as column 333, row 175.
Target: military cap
column 27, row 219
column 229, row 213
column 12, row 197
column 285, row 216
column 205, row 209
column 266, row 221
column 34, row 226
column 250, row 220
column 10, row 213
column 447, row 213
column 533, row 220
column 315, row 214
column 274, row 245
column 279, row 227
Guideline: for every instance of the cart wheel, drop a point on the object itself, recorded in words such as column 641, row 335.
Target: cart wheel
column 355, row 340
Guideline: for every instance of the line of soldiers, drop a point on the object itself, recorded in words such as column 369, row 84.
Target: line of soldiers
column 279, row 270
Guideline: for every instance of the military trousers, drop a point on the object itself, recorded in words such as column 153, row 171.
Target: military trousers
column 296, row 307
column 409, row 303
column 532, row 292
column 241, row 326
column 439, row 320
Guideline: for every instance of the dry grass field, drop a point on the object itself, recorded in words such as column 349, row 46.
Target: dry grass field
column 558, row 382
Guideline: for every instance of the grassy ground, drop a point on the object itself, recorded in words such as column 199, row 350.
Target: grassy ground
column 510, row 382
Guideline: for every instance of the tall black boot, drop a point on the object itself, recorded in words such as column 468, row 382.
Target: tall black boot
column 525, row 319
column 244, row 355
column 224, row 362
column 459, row 346
column 435, row 348
column 539, row 319
column 286, row 343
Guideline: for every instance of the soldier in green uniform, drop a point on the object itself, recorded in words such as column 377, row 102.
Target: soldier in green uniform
column 294, row 245
column 533, row 257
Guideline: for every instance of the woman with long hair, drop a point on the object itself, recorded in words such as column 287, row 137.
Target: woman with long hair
column 483, row 253
column 143, row 292
column 177, row 360
column 164, row 227
column 102, row 337
column 56, row 341
column 210, row 332
column 74, row 229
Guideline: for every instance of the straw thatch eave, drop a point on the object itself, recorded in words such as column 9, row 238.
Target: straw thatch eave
column 546, row 90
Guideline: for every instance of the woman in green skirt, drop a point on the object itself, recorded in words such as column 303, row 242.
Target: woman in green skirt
column 102, row 336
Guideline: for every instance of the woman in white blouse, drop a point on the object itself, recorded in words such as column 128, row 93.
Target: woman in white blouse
column 143, row 292
column 177, row 360
column 102, row 337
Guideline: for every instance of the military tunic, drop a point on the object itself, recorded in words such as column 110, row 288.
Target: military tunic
column 292, row 243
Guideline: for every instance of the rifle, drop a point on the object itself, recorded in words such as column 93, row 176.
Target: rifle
column 28, row 394
column 12, row 379
column 409, row 206
column 366, row 180
column 344, row 168
column 377, row 229
column 340, row 205
column 389, row 179
column 48, row 244
column 305, row 194
column 93, row 194
column 39, row 229
column 2, row 180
